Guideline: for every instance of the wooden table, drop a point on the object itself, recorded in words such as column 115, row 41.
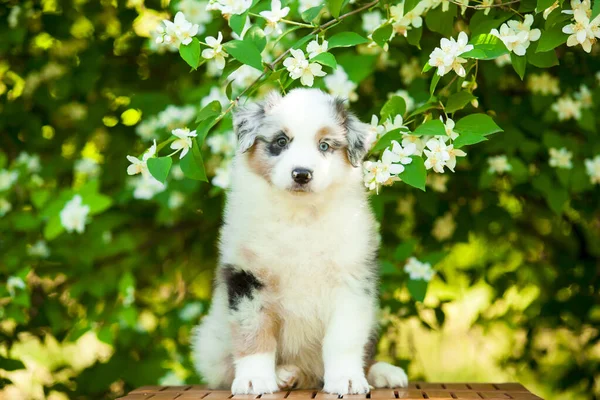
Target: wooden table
column 416, row 390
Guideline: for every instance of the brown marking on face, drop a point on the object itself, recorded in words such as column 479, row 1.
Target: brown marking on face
column 257, row 161
column 248, row 255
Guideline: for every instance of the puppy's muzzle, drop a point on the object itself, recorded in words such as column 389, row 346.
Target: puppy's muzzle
column 302, row 175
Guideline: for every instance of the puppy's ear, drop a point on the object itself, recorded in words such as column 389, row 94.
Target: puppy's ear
column 248, row 120
column 357, row 133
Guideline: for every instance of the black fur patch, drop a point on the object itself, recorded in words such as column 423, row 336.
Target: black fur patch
column 355, row 134
column 239, row 284
column 371, row 346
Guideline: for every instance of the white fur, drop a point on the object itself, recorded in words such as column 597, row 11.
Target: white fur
column 317, row 246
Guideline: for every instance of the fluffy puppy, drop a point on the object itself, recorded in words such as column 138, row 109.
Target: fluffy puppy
column 295, row 295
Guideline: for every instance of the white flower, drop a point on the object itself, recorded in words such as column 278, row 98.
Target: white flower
column 402, row 22
column 371, row 21
column 338, row 84
column 418, row 270
column 5, row 207
column 179, row 31
column 314, row 48
column 446, row 57
column 449, row 127
column 419, row 142
column 145, row 187
column 544, row 84
column 592, row 167
column 215, row 51
column 403, row 153
column 13, row 17
column 498, row 165
column 437, row 155
column 183, row 141
column 224, row 143
column 32, row 163
column 396, row 123
column 14, row 282
column 88, row 167
column 140, row 166
column 7, row 178
column 299, row 67
column 584, row 96
column 274, row 15
column 517, row 35
column 582, row 31
column 191, row 311
column 229, row 7
column 222, row 176
column 409, row 71
column 175, row 117
column 567, row 108
column 39, row 249
column 376, row 131
column 74, row 214
column 176, row 200
column 453, row 153
column 443, row 227
column 560, row 158
column 369, row 174
column 195, row 11
column 438, row 182
column 487, row 5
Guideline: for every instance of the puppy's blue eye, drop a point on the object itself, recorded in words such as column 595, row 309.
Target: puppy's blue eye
column 282, row 142
column 323, row 146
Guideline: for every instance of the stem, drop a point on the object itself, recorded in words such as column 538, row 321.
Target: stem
column 287, row 21
column 482, row 7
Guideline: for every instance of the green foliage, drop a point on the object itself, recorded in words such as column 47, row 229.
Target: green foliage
column 511, row 238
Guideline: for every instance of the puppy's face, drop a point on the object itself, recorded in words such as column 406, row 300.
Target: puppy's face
column 302, row 142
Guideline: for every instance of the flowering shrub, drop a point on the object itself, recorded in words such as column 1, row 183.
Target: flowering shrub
column 115, row 150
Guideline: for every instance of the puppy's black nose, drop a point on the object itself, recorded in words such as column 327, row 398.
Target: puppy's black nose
column 302, row 175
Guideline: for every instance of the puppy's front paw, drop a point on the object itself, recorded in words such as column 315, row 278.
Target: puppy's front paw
column 382, row 374
column 254, row 385
column 347, row 384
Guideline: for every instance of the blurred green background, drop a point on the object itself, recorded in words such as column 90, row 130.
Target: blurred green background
column 93, row 315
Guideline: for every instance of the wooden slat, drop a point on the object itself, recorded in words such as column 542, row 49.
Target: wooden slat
column 416, row 390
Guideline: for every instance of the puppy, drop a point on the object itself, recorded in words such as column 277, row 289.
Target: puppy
column 295, row 295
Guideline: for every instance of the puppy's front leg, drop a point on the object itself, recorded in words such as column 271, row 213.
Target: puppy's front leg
column 345, row 340
column 253, row 331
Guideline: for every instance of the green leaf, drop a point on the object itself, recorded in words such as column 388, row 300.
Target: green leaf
column 394, row 106
column 426, row 67
column 543, row 4
column 335, row 6
column 542, row 60
column 486, row 47
column 409, row 5
column 519, row 63
column 441, row 22
column 325, row 59
column 312, row 13
column 191, row 53
column 345, row 39
column 193, row 166
column 431, row 103
column 434, row 127
column 587, row 121
column 257, row 37
column 237, row 22
column 434, row 81
column 8, row 364
column 480, row 124
column 405, row 250
column 413, row 36
column 465, row 139
column 595, row 9
column 417, row 289
column 203, row 128
column 245, row 52
column 383, row 34
column 551, row 39
column 210, row 110
column 160, row 167
column 415, row 174
column 388, row 268
column 557, row 199
column 458, row 101
column 386, row 140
